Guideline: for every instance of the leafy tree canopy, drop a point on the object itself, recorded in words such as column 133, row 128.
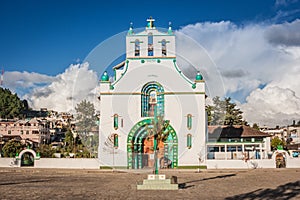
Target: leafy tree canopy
column 10, row 105
column 11, row 148
column 276, row 141
column 45, row 151
column 86, row 116
column 224, row 112
column 86, row 123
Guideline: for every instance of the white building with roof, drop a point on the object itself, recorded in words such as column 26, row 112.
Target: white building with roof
column 149, row 85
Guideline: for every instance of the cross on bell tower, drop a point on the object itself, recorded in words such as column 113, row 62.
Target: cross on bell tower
column 150, row 23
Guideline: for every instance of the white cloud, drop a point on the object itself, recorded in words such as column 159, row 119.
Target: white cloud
column 287, row 34
column 67, row 89
column 24, row 81
column 253, row 55
column 272, row 105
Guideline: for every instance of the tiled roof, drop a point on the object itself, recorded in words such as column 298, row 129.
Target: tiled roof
column 234, row 132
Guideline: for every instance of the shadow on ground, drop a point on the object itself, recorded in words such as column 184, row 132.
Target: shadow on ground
column 185, row 186
column 286, row 191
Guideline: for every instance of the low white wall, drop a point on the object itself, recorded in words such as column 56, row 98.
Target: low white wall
column 7, row 162
column 240, row 164
column 72, row 163
column 293, row 163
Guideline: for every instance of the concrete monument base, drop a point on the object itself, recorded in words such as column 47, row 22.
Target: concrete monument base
column 158, row 182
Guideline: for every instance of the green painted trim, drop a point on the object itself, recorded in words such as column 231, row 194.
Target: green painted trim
column 115, row 74
column 183, row 76
column 189, row 141
column 126, row 68
column 189, row 122
column 116, row 121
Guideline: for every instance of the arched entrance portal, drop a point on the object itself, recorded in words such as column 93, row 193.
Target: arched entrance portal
column 27, row 158
column 280, row 160
column 140, row 152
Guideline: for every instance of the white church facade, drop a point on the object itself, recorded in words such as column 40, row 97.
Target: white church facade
column 150, row 85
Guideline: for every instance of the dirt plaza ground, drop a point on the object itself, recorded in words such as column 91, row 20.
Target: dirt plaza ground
column 31, row 183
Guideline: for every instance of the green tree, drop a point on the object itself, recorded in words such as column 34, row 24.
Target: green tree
column 86, row 117
column 209, row 110
column 10, row 104
column 233, row 115
column 69, row 141
column 86, row 124
column 255, row 126
column 45, row 151
column 218, row 112
column 11, row 148
column 276, row 141
column 224, row 112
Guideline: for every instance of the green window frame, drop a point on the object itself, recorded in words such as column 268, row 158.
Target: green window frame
column 189, row 121
column 145, row 98
column 189, row 141
column 116, row 121
column 116, row 141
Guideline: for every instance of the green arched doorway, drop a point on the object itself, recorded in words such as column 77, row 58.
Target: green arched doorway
column 27, row 160
column 140, row 152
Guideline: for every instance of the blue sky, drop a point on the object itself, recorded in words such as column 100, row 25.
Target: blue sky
column 47, row 36
column 254, row 45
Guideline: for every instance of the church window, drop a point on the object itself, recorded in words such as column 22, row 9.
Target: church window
column 189, row 141
column 116, row 141
column 164, row 48
column 116, row 121
column 137, row 48
column 189, row 121
column 150, row 44
column 152, row 100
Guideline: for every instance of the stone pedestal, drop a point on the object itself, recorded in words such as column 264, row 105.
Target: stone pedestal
column 158, row 182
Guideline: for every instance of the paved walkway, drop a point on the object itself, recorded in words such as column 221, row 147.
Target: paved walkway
column 30, row 183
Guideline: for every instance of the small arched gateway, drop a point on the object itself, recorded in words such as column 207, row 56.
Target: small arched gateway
column 27, row 158
column 280, row 157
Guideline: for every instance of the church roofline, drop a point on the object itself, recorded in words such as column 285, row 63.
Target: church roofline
column 151, row 28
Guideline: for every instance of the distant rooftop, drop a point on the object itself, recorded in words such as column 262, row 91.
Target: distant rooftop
column 237, row 131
